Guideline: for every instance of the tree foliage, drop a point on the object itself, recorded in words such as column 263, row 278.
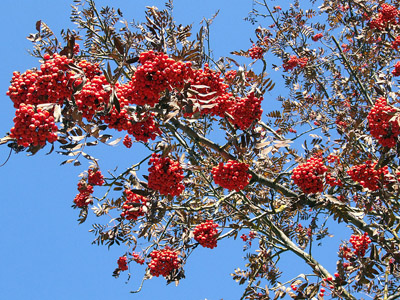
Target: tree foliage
column 218, row 166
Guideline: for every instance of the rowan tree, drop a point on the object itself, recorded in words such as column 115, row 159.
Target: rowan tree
column 274, row 178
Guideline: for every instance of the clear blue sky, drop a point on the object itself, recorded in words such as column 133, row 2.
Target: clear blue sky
column 44, row 253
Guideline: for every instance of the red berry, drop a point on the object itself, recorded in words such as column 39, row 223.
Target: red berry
column 127, row 141
column 294, row 62
column 122, row 263
column 206, row 234
column 256, row 52
column 380, row 124
column 367, row 176
column 233, row 175
column 163, row 262
column 245, row 111
column 308, row 175
column 134, row 206
column 95, row 177
column 165, row 175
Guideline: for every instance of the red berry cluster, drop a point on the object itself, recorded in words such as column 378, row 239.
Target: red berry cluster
column 396, row 43
column 367, row 176
column 123, row 263
column 294, row 62
column 144, row 129
column 33, row 126
column 345, row 252
column 360, row 243
column 256, row 52
column 51, row 84
column 157, row 73
column 22, row 86
column 137, row 258
column 244, row 237
column 246, row 110
column 76, row 49
column 127, row 141
column 165, row 175
column 210, row 90
column 83, row 187
column 120, row 120
column 332, row 158
column 230, row 76
column 233, row 175
column 95, row 177
column 387, row 15
column 206, row 234
column 84, row 198
column 396, row 71
column 93, row 97
column 250, row 237
column 380, row 124
column 342, row 125
column 90, row 69
column 134, row 206
column 163, row 262
column 317, row 37
column 332, row 181
column 308, row 175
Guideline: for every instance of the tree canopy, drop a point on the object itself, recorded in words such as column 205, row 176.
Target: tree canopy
column 220, row 163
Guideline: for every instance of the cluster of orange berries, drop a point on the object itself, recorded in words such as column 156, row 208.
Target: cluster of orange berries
column 317, row 37
column 230, row 75
column 56, row 80
column 385, row 130
column 396, row 43
column 93, row 97
column 127, row 141
column 83, row 199
column 294, row 62
column 165, row 175
column 387, row 15
column 367, row 176
column 144, row 129
column 256, row 52
column 134, row 206
column 33, row 126
column 360, row 243
column 90, row 69
column 308, row 176
column 210, row 89
column 206, row 234
column 123, row 263
column 396, row 71
column 85, row 187
column 157, row 73
column 246, row 110
column 163, row 262
column 95, row 177
column 137, row 258
column 232, row 175
column 252, row 235
column 332, row 181
column 51, row 84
